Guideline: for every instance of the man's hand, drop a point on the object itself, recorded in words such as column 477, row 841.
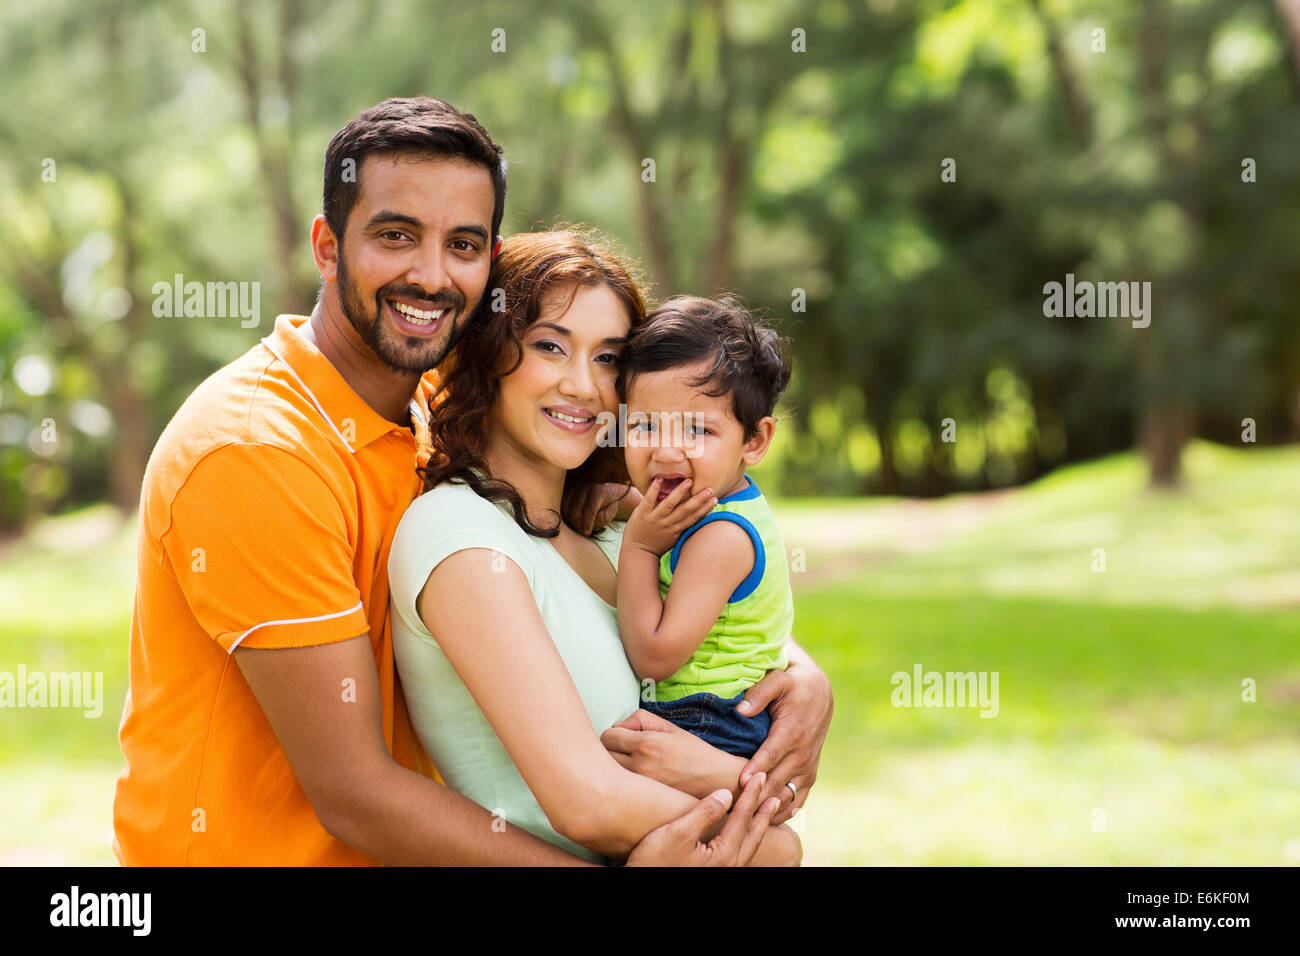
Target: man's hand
column 800, row 703
column 593, row 506
column 681, row 842
column 656, row 748
column 656, row 525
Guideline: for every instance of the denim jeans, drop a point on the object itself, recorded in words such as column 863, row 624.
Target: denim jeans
column 714, row 720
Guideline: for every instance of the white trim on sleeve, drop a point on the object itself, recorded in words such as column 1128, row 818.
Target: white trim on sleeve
column 296, row 620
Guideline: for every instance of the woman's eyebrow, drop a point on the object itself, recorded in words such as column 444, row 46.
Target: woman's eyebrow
column 611, row 340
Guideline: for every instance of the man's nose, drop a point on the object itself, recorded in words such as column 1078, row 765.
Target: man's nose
column 429, row 270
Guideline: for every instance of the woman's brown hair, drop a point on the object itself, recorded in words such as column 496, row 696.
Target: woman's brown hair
column 530, row 266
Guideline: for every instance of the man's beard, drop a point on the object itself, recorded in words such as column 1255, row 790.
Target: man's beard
column 400, row 353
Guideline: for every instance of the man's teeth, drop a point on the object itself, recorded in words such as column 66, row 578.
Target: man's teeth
column 567, row 418
column 417, row 317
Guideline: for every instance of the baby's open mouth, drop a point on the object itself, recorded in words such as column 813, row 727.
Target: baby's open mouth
column 668, row 484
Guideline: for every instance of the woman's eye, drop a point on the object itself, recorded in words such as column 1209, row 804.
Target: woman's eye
column 548, row 346
column 609, row 358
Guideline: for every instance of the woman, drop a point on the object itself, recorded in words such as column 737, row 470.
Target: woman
column 504, row 624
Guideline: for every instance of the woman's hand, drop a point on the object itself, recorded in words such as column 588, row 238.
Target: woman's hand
column 653, row 747
column 681, row 841
column 593, row 506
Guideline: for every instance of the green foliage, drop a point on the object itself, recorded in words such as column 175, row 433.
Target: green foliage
column 777, row 171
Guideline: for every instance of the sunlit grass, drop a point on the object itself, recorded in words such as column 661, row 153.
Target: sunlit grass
column 1119, row 691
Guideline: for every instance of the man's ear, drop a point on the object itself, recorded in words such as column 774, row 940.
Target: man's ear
column 324, row 249
column 757, row 446
column 496, row 249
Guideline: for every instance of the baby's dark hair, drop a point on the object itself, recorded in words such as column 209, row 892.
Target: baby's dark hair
column 749, row 359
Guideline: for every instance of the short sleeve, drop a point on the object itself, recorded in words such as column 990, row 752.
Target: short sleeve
column 439, row 523
column 261, row 548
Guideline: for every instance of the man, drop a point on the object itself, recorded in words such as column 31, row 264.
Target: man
column 264, row 723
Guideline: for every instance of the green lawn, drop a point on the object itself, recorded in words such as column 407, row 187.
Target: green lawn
column 1119, row 696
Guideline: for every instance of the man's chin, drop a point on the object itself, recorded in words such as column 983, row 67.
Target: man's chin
column 407, row 354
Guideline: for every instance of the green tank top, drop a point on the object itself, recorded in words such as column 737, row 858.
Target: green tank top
column 748, row 638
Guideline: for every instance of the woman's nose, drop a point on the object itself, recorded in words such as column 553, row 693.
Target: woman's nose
column 578, row 381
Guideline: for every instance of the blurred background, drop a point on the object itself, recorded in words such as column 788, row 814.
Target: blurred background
column 1104, row 515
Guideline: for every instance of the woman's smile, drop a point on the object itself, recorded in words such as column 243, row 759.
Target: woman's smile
column 579, row 421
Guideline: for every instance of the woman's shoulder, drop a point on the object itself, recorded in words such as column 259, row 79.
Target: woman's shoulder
column 454, row 504
column 452, row 517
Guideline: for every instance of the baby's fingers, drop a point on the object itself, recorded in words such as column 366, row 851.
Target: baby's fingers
column 675, row 497
column 699, row 505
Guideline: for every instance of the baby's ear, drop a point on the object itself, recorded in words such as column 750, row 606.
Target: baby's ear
column 758, row 444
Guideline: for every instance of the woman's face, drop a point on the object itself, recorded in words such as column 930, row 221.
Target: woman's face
column 546, row 410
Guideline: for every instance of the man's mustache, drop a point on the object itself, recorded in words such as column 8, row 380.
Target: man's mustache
column 445, row 300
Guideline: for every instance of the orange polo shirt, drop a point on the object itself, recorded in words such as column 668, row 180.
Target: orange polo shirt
column 268, row 510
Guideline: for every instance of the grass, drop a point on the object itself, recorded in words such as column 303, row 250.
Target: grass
column 1122, row 736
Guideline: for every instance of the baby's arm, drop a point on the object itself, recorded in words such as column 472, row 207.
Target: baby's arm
column 659, row 636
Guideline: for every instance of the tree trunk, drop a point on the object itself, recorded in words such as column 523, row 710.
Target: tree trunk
column 1165, row 429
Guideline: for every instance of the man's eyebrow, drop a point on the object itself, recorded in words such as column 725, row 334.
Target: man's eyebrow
column 473, row 230
column 390, row 216
column 611, row 340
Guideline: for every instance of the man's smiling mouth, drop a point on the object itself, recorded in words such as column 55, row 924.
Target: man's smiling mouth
column 416, row 316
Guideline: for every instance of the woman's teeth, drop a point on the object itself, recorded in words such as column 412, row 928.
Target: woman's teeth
column 567, row 418
column 416, row 316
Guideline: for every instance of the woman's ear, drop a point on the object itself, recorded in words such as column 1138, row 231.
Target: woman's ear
column 761, row 441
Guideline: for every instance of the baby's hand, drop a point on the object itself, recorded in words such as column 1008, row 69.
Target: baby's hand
column 656, row 525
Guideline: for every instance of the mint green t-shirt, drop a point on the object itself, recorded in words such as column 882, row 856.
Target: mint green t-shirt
column 455, row 733
column 748, row 639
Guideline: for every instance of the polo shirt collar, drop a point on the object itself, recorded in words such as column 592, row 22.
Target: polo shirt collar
column 349, row 417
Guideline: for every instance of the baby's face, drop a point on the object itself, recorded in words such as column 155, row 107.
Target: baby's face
column 675, row 431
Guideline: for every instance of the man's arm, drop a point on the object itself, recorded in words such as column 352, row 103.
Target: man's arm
column 361, row 795
column 800, row 702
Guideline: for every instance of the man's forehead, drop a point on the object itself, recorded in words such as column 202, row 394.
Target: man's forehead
column 412, row 182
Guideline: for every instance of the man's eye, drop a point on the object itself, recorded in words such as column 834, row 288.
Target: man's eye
column 392, row 235
column 464, row 245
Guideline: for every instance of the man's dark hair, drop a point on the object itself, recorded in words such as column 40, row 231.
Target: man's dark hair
column 748, row 358
column 418, row 124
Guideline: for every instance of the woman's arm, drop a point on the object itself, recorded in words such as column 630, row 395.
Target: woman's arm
column 488, row 625
column 647, row 744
